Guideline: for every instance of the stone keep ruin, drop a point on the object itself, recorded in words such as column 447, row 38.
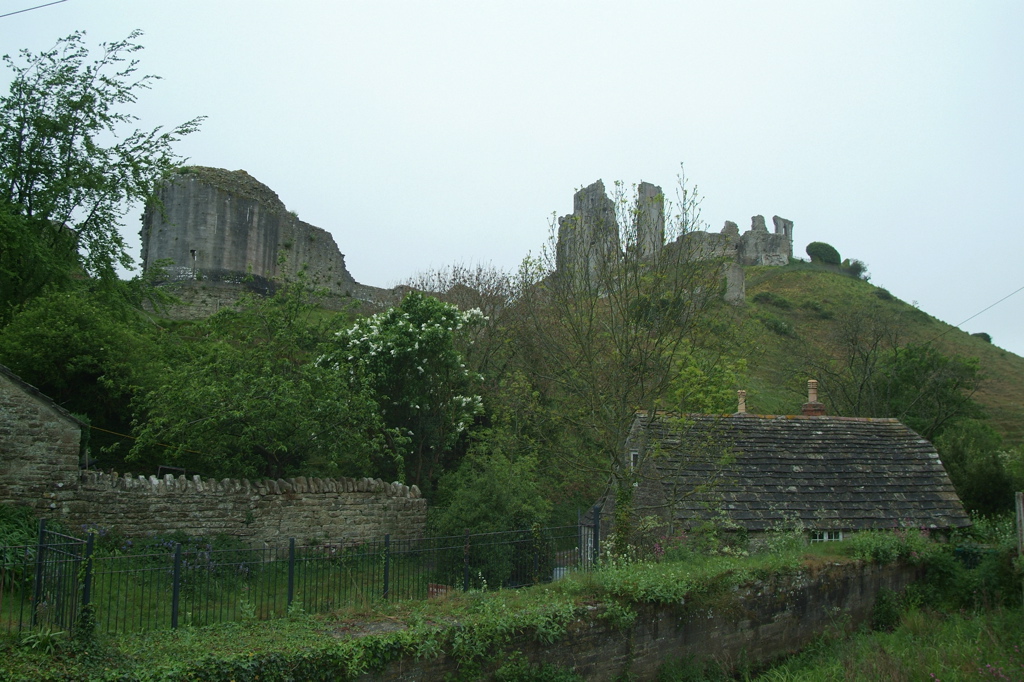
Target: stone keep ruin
column 226, row 226
column 230, row 232
column 589, row 236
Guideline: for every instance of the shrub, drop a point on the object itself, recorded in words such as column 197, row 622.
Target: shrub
column 820, row 252
column 883, row 294
column 857, row 268
column 886, row 614
column 769, row 298
column 777, row 325
column 817, row 309
column 983, row 336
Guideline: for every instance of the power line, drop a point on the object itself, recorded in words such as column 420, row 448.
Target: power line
column 979, row 313
column 56, row 2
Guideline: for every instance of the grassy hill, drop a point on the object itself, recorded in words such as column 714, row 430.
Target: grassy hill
column 791, row 312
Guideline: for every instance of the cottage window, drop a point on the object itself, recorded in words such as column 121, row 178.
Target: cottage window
column 826, row 536
column 634, row 460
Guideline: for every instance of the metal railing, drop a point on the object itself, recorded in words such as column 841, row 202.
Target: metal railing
column 176, row 584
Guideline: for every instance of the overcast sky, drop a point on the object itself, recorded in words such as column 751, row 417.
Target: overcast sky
column 422, row 134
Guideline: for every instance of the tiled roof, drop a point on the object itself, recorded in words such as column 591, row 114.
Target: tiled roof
column 828, row 472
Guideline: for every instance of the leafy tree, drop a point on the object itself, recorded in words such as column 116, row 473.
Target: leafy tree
column 85, row 354
column 407, row 356
column 867, row 369
column 71, row 164
column 970, row 451
column 246, row 397
column 820, row 252
column 600, row 332
column 929, row 391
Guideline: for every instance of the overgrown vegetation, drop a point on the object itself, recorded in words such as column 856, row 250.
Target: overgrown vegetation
column 966, row 614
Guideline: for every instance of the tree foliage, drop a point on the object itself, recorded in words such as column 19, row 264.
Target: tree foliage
column 407, row 356
column 84, row 354
column 867, row 369
column 599, row 333
column 820, row 252
column 246, row 397
column 970, row 451
column 71, row 163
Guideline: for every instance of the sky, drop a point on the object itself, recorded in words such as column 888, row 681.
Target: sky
column 423, row 134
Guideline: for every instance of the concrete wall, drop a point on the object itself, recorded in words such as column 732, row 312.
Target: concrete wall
column 39, row 444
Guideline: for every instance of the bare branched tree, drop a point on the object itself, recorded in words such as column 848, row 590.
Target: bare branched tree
column 604, row 312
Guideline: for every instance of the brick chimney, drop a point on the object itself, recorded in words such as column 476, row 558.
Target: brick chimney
column 812, row 408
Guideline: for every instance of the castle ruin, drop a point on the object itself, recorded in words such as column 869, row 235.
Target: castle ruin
column 220, row 226
column 589, row 237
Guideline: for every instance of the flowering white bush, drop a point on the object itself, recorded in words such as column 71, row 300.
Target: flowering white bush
column 407, row 355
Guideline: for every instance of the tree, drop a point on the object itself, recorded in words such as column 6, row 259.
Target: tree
column 71, row 164
column 971, row 455
column 85, row 355
column 820, row 252
column 867, row 369
column 246, row 397
column 407, row 356
column 603, row 321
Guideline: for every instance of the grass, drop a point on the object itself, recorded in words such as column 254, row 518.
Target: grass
column 472, row 626
column 467, row 625
column 929, row 646
column 803, row 299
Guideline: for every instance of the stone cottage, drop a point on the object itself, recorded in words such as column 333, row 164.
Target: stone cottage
column 39, row 444
column 758, row 473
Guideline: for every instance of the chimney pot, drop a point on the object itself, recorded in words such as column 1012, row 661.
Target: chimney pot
column 813, row 408
column 742, row 408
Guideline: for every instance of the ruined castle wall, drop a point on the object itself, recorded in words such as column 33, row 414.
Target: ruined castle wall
column 266, row 511
column 226, row 226
column 762, row 248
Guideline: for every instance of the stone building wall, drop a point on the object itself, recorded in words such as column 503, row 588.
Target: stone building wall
column 39, row 444
column 266, row 511
column 226, row 226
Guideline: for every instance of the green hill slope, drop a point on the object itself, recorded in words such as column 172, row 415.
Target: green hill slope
column 794, row 312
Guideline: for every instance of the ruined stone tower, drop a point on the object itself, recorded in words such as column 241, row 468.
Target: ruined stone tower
column 226, row 226
column 588, row 238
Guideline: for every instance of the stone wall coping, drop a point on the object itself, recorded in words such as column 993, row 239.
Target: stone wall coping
column 281, row 486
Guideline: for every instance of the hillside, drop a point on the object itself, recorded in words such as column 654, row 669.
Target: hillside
column 791, row 311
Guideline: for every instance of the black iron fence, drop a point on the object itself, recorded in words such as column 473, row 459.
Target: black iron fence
column 47, row 584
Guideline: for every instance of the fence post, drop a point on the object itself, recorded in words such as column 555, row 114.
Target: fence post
column 37, row 588
column 597, row 534
column 87, row 578
column 387, row 564
column 1018, row 499
column 465, row 564
column 291, row 570
column 176, row 586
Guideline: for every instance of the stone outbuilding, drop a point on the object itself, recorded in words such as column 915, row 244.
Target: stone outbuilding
column 39, row 444
column 758, row 473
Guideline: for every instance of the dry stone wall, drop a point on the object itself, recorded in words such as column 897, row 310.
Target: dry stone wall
column 265, row 511
column 39, row 468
